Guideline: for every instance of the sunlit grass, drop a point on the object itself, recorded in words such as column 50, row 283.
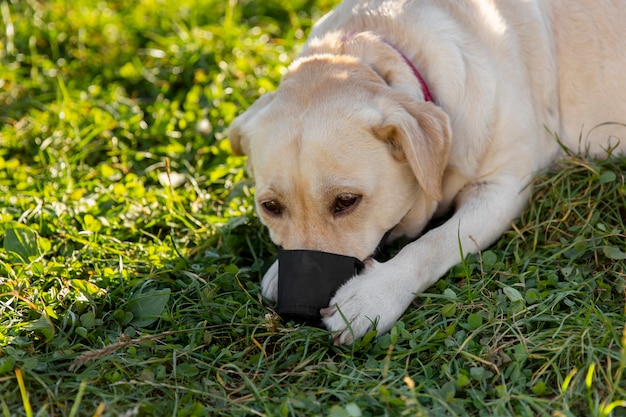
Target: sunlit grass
column 131, row 255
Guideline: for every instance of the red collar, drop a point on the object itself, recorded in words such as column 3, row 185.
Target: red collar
column 425, row 91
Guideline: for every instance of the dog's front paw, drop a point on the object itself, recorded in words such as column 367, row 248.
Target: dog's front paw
column 269, row 283
column 377, row 297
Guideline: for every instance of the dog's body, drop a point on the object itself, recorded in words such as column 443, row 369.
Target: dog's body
column 349, row 147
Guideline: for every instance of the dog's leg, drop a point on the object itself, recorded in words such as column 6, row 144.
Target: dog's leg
column 383, row 292
column 269, row 283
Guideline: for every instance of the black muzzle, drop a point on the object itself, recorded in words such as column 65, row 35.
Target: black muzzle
column 307, row 280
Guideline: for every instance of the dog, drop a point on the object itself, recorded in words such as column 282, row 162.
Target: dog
column 398, row 111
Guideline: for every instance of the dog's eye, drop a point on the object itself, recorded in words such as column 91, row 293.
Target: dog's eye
column 273, row 207
column 345, row 202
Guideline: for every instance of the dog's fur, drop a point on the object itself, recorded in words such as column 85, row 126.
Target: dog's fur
column 347, row 148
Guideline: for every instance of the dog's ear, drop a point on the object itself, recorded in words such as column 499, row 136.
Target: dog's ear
column 239, row 140
column 384, row 59
column 237, row 132
column 419, row 133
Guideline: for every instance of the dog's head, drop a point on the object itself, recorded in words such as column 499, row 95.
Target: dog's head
column 343, row 151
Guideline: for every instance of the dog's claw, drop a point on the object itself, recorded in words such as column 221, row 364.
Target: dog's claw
column 328, row 311
column 338, row 340
column 342, row 338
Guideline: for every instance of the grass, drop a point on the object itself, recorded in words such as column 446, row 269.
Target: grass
column 131, row 256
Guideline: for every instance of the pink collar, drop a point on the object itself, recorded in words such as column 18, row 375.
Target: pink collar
column 425, row 91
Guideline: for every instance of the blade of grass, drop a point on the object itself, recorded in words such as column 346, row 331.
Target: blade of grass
column 25, row 401
column 79, row 398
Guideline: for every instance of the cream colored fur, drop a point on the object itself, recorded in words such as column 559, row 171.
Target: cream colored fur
column 349, row 119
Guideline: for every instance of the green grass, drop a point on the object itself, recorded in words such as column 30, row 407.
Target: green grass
column 131, row 255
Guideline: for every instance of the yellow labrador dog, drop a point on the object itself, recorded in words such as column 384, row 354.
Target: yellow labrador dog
column 399, row 110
